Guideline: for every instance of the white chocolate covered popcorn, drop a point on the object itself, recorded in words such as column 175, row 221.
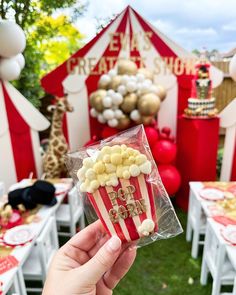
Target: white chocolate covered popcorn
column 111, row 164
column 147, row 227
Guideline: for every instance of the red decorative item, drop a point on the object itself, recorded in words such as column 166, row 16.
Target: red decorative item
column 164, row 151
column 108, row 131
column 170, row 177
column 197, row 144
column 152, row 135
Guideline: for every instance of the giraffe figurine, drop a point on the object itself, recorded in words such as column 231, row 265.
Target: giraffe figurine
column 53, row 159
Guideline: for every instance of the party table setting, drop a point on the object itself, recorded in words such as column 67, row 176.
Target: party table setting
column 20, row 225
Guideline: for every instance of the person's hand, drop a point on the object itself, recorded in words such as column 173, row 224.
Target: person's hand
column 88, row 266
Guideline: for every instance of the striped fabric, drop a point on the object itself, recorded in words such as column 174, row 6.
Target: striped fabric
column 126, row 228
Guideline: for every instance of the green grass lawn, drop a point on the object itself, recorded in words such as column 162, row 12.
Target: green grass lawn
column 164, row 267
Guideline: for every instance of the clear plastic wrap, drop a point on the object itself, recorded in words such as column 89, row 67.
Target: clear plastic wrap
column 121, row 186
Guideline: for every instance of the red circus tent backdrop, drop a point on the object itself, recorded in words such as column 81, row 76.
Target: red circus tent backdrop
column 19, row 138
column 129, row 35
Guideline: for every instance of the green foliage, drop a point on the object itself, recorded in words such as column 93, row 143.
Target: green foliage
column 50, row 39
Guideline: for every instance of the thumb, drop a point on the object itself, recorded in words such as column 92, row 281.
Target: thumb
column 95, row 268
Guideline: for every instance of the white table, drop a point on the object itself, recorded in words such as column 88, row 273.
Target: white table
column 22, row 253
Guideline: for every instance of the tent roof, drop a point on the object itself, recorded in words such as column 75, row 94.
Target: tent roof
column 33, row 118
column 163, row 46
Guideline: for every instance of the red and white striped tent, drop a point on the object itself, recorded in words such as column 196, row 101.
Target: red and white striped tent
column 19, row 138
column 127, row 36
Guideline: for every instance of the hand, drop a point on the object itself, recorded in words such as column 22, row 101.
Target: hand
column 88, row 266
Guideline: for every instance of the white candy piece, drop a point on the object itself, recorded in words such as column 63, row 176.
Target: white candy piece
column 107, row 101
column 146, row 167
column 112, row 122
column 93, row 113
column 135, row 115
column 108, row 114
column 134, row 170
column 146, row 227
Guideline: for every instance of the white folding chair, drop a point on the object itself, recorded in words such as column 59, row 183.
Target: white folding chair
column 215, row 260
column 228, row 121
column 196, row 223
column 69, row 214
column 36, row 266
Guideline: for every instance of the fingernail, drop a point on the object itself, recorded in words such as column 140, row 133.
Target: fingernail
column 114, row 244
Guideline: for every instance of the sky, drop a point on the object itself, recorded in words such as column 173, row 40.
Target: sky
column 209, row 24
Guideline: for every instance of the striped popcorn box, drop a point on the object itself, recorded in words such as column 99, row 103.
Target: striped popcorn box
column 128, row 209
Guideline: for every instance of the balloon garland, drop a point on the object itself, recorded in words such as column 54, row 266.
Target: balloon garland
column 12, row 44
column 126, row 95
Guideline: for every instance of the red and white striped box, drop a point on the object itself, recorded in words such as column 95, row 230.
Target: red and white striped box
column 123, row 208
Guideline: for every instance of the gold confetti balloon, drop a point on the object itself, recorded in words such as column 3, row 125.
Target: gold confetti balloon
column 96, row 99
column 115, row 82
column 149, row 104
column 123, row 123
column 161, row 92
column 129, row 103
column 128, row 67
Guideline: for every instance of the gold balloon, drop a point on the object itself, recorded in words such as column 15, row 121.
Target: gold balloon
column 161, row 92
column 96, row 99
column 123, row 123
column 149, row 104
column 115, row 82
column 147, row 73
column 147, row 120
column 128, row 67
column 103, row 85
column 129, row 103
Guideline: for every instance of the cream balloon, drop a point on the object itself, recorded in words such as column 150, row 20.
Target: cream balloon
column 9, row 69
column 232, row 68
column 12, row 39
column 20, row 59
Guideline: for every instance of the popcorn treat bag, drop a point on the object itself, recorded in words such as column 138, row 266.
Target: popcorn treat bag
column 119, row 183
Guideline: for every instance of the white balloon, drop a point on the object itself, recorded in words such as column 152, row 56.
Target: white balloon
column 107, row 101
column 144, row 87
column 112, row 122
column 9, row 69
column 105, row 79
column 101, row 119
column 133, row 78
column 148, row 82
column 232, row 67
column 20, row 59
column 135, row 115
column 131, row 86
column 117, row 98
column 122, row 89
column 110, row 92
column 112, row 73
column 108, row 114
column 12, row 39
column 118, row 114
column 140, row 77
column 93, row 113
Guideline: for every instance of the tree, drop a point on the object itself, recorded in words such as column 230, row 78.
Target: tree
column 50, row 39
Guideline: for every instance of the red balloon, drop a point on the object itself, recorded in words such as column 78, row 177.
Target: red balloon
column 164, row 151
column 170, row 177
column 108, row 131
column 152, row 135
